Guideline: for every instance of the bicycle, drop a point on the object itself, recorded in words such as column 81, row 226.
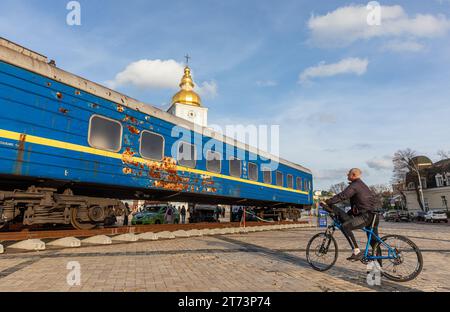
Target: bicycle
column 391, row 256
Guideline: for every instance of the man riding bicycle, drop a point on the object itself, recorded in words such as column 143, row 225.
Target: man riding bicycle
column 361, row 214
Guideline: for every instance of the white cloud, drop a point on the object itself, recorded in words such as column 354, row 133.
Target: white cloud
column 155, row 74
column 208, row 89
column 403, row 46
column 346, row 66
column 348, row 24
column 158, row 74
column 384, row 163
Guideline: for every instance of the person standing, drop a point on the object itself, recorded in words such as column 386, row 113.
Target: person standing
column 183, row 215
column 191, row 213
column 217, row 212
column 169, row 214
column 127, row 212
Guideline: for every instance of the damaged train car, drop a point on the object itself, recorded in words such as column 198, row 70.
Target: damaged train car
column 71, row 150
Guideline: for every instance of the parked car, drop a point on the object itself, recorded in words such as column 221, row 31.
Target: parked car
column 154, row 214
column 418, row 216
column 396, row 216
column 391, row 216
column 436, row 216
column 203, row 213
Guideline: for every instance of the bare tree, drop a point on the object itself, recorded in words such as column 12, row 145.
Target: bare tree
column 383, row 194
column 338, row 188
column 443, row 154
column 402, row 160
column 402, row 165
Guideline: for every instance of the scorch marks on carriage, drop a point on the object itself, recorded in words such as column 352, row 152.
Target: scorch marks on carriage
column 165, row 175
column 162, row 174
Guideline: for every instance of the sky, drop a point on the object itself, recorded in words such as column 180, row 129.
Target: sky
column 349, row 85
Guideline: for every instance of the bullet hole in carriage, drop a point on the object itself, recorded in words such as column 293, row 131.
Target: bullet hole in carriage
column 127, row 170
column 49, row 84
column 59, row 95
column 63, row 110
column 77, row 92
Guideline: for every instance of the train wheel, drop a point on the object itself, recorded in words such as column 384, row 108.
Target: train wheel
column 75, row 219
column 4, row 226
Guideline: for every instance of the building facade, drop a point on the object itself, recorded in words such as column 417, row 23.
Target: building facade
column 436, row 187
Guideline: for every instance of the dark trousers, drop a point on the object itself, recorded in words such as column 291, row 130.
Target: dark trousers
column 183, row 219
column 125, row 220
column 350, row 223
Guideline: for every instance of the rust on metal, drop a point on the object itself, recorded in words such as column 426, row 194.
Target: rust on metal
column 20, row 153
column 63, row 110
column 127, row 170
column 133, row 129
column 130, row 119
column 164, row 174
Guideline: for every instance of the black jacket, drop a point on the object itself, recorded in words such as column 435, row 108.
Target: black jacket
column 362, row 199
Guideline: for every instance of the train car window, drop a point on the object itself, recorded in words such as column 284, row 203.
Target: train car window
column 152, row 145
column 267, row 176
column 279, row 178
column 186, row 155
column 290, row 181
column 235, row 168
column 213, row 162
column 299, row 183
column 253, row 171
column 105, row 133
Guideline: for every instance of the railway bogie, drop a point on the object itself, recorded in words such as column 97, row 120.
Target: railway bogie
column 46, row 206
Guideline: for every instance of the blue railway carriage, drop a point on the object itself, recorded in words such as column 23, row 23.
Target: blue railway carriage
column 71, row 150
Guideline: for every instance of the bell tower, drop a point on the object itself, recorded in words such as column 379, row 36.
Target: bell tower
column 186, row 103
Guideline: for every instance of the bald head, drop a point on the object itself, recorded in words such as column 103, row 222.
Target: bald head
column 354, row 174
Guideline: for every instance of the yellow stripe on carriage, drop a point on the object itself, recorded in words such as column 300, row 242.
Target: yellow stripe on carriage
column 94, row 151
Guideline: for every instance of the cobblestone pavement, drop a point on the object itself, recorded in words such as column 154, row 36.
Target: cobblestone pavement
column 261, row 261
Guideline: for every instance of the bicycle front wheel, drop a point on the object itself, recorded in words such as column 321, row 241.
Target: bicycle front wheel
column 322, row 252
column 408, row 262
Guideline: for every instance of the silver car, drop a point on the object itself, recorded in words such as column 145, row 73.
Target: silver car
column 436, row 216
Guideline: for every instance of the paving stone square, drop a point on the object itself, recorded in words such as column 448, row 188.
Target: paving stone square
column 258, row 261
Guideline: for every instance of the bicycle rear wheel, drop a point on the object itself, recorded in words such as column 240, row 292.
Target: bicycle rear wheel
column 322, row 252
column 409, row 261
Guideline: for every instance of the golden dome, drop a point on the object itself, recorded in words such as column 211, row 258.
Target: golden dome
column 186, row 95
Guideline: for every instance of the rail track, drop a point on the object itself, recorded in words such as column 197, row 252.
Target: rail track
column 56, row 234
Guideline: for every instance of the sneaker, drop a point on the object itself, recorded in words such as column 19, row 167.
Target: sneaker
column 357, row 257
